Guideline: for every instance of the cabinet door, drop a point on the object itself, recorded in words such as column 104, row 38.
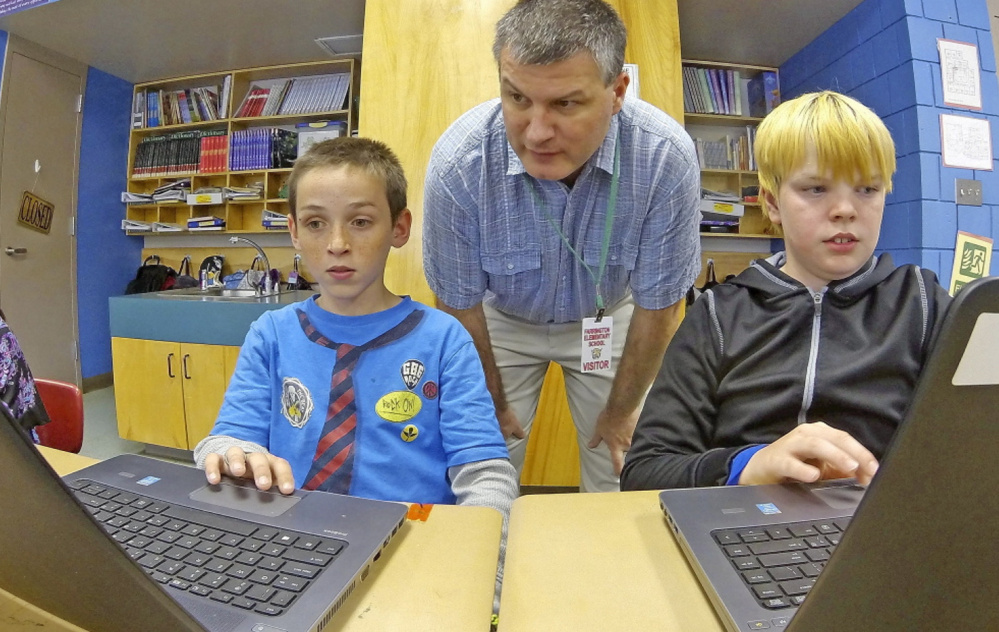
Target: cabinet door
column 148, row 392
column 205, row 377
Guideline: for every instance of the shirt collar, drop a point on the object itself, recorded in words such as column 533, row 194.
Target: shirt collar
column 603, row 159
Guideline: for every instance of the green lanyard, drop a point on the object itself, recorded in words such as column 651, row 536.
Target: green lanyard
column 608, row 227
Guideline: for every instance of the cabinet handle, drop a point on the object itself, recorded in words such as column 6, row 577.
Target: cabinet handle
column 170, row 365
column 187, row 375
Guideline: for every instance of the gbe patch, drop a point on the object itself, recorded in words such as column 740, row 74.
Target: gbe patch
column 398, row 406
column 296, row 401
column 412, row 371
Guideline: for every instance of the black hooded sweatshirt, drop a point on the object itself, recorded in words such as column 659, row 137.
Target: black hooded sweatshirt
column 761, row 353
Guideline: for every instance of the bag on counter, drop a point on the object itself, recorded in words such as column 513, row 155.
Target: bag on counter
column 184, row 278
column 152, row 277
column 211, row 267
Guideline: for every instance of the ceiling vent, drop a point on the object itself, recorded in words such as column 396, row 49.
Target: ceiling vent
column 341, row 45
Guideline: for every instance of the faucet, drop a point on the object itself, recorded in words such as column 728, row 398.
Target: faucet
column 268, row 288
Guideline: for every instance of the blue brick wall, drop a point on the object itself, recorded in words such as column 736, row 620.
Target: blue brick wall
column 884, row 54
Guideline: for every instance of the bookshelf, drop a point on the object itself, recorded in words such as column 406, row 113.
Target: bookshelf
column 229, row 130
column 723, row 104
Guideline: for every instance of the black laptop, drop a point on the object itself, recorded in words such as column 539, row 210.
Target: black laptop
column 138, row 544
column 916, row 550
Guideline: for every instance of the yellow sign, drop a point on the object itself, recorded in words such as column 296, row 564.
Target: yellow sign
column 972, row 260
column 35, row 213
column 399, row 406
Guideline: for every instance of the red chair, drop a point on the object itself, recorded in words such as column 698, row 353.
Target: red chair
column 64, row 403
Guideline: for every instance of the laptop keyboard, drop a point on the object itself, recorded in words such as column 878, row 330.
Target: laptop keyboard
column 247, row 565
column 778, row 563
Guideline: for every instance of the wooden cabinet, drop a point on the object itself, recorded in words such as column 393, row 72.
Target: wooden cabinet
column 205, row 150
column 169, row 393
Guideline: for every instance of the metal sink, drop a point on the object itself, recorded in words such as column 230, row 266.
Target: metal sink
column 220, row 294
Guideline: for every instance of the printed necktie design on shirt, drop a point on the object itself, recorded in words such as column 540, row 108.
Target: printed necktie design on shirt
column 333, row 464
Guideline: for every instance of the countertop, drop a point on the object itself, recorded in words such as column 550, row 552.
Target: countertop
column 151, row 316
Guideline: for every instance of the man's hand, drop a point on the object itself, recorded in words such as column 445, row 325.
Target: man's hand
column 262, row 468
column 616, row 433
column 811, row 452
column 509, row 424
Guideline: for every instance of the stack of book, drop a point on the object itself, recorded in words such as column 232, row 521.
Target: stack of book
column 262, row 148
column 214, row 151
column 245, row 194
column 172, row 192
column 128, row 197
column 175, row 107
column 273, row 220
column 181, row 153
column 714, row 91
column 207, row 222
column 729, row 152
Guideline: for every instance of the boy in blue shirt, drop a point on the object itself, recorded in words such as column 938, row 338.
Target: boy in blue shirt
column 357, row 390
column 801, row 368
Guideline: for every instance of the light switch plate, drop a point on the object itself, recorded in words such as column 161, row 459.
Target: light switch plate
column 968, row 192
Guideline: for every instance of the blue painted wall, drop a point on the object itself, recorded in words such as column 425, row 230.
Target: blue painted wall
column 884, row 53
column 106, row 258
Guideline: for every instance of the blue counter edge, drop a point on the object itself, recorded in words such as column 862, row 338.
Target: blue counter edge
column 149, row 317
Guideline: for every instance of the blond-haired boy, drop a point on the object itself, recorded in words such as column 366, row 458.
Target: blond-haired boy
column 800, row 368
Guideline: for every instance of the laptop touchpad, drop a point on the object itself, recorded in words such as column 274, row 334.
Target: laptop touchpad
column 840, row 496
column 245, row 498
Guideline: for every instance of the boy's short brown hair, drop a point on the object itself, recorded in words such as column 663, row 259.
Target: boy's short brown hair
column 371, row 156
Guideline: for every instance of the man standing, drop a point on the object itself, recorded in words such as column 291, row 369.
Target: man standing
column 561, row 224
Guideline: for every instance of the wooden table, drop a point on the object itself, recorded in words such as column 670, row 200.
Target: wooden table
column 598, row 562
column 438, row 574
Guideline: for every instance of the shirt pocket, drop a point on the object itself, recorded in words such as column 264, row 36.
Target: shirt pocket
column 515, row 272
column 620, row 264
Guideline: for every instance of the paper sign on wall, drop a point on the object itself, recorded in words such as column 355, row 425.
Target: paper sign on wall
column 972, row 260
column 962, row 85
column 966, row 142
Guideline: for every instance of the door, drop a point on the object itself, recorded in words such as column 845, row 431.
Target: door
column 204, row 368
column 40, row 126
column 149, row 391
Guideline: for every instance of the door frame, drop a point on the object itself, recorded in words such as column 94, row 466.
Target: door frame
column 26, row 48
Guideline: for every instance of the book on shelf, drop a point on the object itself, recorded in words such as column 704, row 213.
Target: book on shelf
column 207, row 222
column 311, row 133
column 223, row 102
column 167, row 227
column 139, row 110
column 135, row 226
column 764, row 93
column 714, row 91
column 273, row 219
column 128, row 197
column 248, row 194
column 263, row 148
column 196, row 229
column 152, row 108
column 205, row 196
column 714, row 209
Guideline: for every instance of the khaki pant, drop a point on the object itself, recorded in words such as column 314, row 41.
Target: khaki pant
column 523, row 351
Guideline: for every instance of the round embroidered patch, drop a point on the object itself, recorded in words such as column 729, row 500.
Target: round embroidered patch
column 296, row 401
column 430, row 390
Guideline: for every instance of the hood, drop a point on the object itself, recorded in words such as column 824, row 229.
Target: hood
column 763, row 275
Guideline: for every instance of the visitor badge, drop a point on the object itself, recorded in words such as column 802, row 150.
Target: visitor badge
column 597, row 349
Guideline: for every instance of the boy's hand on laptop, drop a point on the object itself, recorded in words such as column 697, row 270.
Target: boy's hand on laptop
column 264, row 469
column 811, row 452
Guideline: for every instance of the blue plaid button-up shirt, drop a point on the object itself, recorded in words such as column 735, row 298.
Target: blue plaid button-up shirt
column 486, row 238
